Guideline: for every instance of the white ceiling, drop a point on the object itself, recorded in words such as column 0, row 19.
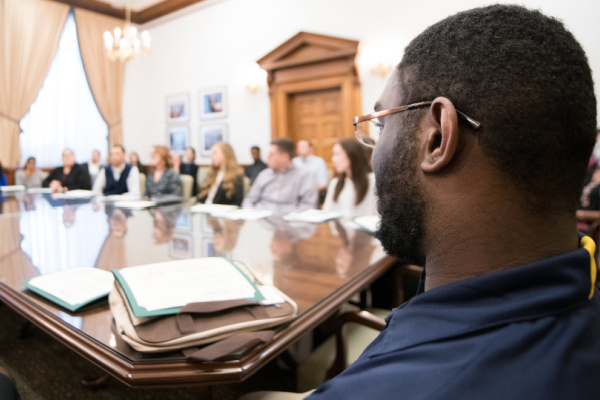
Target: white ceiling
column 136, row 5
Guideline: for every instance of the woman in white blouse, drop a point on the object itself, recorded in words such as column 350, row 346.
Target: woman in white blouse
column 224, row 183
column 351, row 192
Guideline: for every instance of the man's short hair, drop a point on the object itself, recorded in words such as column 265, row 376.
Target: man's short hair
column 255, row 148
column 120, row 146
column 193, row 151
column 527, row 80
column 284, row 145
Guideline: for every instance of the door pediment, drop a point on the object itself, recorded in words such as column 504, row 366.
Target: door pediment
column 306, row 48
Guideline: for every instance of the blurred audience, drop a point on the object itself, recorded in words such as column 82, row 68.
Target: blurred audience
column 316, row 165
column 282, row 185
column 189, row 167
column 134, row 160
column 70, row 176
column 176, row 160
column 254, row 169
column 118, row 177
column 351, row 192
column 29, row 176
column 224, row 183
column 162, row 180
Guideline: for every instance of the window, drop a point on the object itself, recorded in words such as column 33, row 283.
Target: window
column 64, row 115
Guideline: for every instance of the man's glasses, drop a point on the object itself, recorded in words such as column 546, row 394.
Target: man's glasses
column 367, row 127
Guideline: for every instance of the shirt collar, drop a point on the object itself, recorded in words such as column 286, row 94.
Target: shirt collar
column 534, row 290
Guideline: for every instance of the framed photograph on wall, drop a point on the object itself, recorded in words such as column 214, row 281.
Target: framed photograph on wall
column 178, row 108
column 181, row 246
column 211, row 134
column 213, row 102
column 178, row 138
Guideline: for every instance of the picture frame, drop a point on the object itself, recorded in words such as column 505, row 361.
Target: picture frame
column 181, row 246
column 211, row 134
column 212, row 102
column 178, row 138
column 178, row 108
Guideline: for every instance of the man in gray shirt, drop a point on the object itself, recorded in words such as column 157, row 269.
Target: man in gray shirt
column 282, row 186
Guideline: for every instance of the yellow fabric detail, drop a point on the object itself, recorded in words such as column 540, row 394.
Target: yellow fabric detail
column 588, row 244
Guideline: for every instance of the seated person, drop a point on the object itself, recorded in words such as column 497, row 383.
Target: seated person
column 29, row 176
column 256, row 167
column 316, row 165
column 3, row 178
column 224, row 183
column 282, row 186
column 94, row 165
column 134, row 160
column 351, row 193
column 176, row 161
column 118, row 177
column 507, row 306
column 189, row 167
column 162, row 180
column 70, row 176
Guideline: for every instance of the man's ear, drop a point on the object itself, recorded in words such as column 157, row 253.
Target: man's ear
column 441, row 128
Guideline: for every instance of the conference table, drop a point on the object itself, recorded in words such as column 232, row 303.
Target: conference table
column 319, row 266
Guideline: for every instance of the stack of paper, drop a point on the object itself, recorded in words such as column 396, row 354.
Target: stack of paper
column 313, row 216
column 368, row 223
column 75, row 194
column 12, row 188
column 119, row 197
column 183, row 282
column 73, row 288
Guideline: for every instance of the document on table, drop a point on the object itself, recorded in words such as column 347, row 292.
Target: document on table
column 163, row 288
column 244, row 214
column 212, row 208
column 368, row 223
column 12, row 188
column 73, row 288
column 135, row 204
column 313, row 216
column 119, row 197
column 75, row 194
column 40, row 190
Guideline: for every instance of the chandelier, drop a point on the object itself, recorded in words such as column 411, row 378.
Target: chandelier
column 128, row 43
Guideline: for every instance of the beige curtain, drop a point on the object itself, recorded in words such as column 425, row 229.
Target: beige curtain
column 29, row 35
column 104, row 77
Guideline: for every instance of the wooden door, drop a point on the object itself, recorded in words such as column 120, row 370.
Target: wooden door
column 316, row 116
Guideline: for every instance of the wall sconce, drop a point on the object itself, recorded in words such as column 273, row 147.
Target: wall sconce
column 382, row 69
column 255, row 76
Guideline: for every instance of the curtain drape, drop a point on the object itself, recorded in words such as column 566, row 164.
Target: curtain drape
column 104, row 77
column 29, row 34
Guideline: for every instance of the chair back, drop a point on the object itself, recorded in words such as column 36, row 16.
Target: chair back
column 142, row 184
column 246, row 185
column 188, row 185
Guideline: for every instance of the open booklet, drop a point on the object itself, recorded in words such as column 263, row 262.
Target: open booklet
column 163, row 288
column 73, row 288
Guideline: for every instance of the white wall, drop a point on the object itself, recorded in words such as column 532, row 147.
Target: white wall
column 215, row 43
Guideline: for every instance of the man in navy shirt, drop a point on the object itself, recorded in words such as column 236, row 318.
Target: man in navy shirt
column 118, row 177
column 485, row 198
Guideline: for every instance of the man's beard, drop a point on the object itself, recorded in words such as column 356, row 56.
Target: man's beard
column 401, row 204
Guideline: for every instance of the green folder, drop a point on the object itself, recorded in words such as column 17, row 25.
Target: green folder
column 140, row 311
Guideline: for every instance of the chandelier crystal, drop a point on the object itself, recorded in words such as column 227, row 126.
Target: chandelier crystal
column 127, row 43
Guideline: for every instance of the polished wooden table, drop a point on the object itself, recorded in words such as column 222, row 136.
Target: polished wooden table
column 319, row 266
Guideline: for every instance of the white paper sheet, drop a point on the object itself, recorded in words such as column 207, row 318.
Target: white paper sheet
column 313, row 216
column 212, row 208
column 177, row 283
column 12, row 188
column 244, row 214
column 368, row 222
column 135, row 204
column 75, row 285
column 75, row 194
column 40, row 190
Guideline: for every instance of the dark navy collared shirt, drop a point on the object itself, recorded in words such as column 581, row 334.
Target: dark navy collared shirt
column 531, row 332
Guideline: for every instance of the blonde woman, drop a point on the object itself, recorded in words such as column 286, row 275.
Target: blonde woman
column 224, row 184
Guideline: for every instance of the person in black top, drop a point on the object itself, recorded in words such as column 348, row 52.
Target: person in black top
column 68, row 177
column 189, row 167
column 253, row 170
column 224, row 184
